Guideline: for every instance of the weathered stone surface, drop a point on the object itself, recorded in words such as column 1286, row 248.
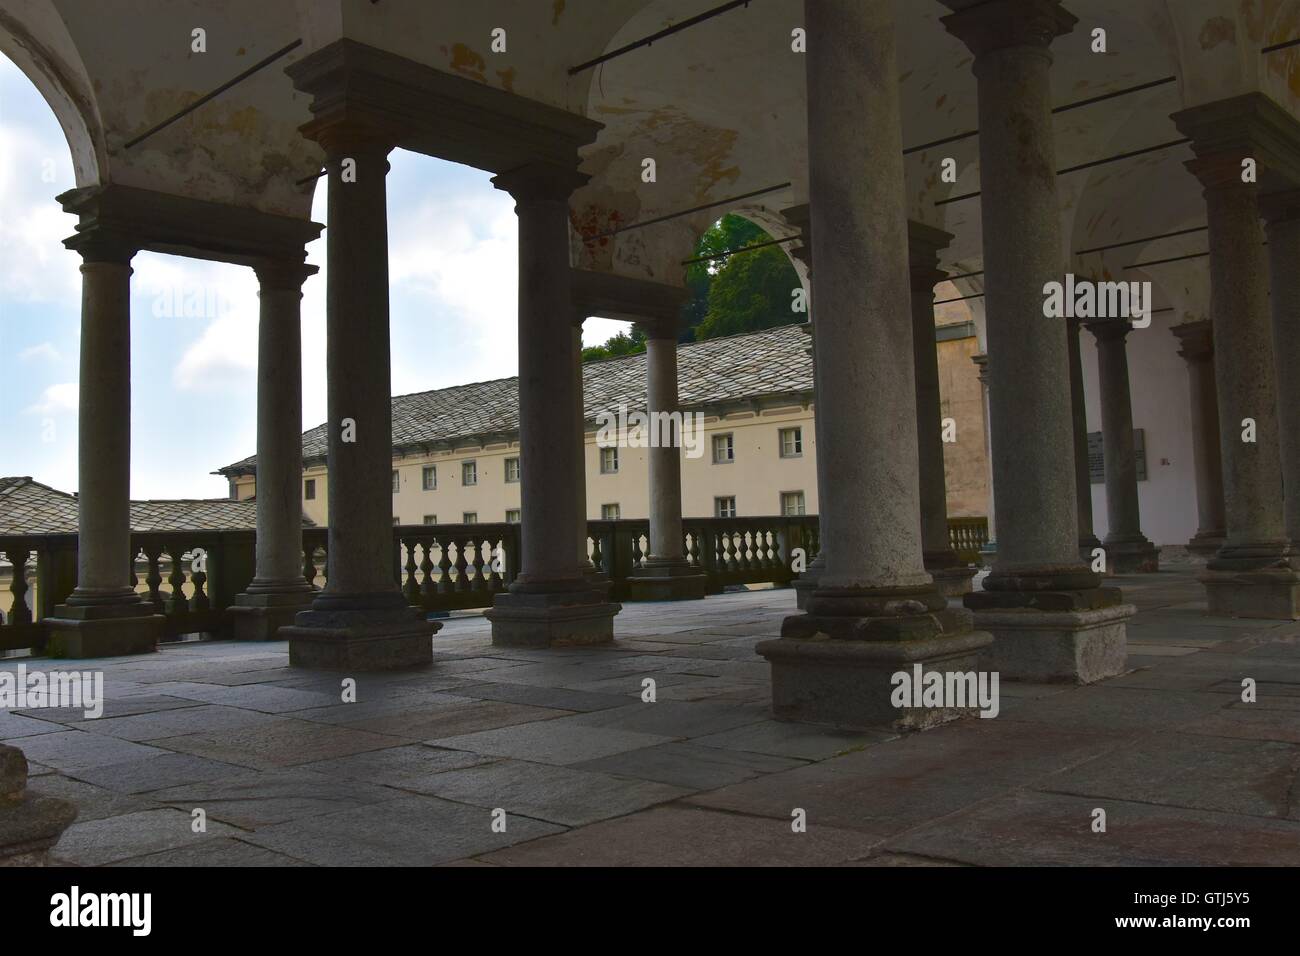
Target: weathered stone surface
column 97, row 842
column 563, row 795
column 1075, row 646
column 411, row 831
column 547, row 743
column 154, row 772
column 253, row 800
column 689, row 836
column 283, row 744
column 690, row 765
column 1038, row 829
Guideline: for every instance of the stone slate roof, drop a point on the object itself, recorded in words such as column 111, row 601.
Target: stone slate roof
column 29, row 507
column 732, row 370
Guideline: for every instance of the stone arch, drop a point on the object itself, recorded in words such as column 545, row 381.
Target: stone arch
column 35, row 38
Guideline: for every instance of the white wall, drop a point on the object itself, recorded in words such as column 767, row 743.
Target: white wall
column 1158, row 386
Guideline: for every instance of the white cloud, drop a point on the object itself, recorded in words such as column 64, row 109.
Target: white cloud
column 45, row 351
column 55, row 399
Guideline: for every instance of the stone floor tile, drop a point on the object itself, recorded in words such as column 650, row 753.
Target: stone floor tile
column 252, row 800
column 545, row 743
column 688, row 836
column 788, row 739
column 690, row 765
column 410, row 831
column 563, row 795
column 404, row 768
column 155, row 772
column 78, row 750
column 285, row 743
column 97, row 842
column 217, row 852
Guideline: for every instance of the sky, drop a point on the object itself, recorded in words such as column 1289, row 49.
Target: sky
column 452, row 289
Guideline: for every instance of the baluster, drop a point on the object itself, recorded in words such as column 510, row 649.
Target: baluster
column 724, row 557
column 445, row 583
column 479, row 582
column 199, row 578
column 495, row 581
column 309, row 564
column 428, row 587
column 597, row 556
column 411, row 586
column 153, row 578
column 462, row 567
column 18, row 587
column 177, row 604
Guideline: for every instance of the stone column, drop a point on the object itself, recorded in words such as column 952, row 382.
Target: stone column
column 665, row 574
column 950, row 575
column 1282, row 214
column 990, row 549
column 1050, row 618
column 104, row 616
column 1252, row 574
column 360, row 620
column 1082, row 475
column 1127, row 549
column 278, row 590
column 598, row 579
column 551, row 601
column 875, row 610
column 800, row 218
column 1197, row 348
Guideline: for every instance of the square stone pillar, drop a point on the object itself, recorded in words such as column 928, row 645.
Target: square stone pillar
column 103, row 616
column 1050, row 618
column 1254, row 572
column 875, row 611
column 552, row 600
column 278, row 590
column 1196, row 340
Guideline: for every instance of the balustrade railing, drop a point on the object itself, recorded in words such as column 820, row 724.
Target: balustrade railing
column 191, row 578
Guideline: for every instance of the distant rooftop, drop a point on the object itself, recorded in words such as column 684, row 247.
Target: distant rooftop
column 733, row 369
column 29, row 507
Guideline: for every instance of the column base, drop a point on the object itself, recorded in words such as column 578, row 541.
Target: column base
column 805, row 584
column 29, row 824
column 1131, row 556
column 850, row 683
column 839, row 670
column 541, row 619
column 102, row 630
column 1206, row 544
column 988, row 554
column 1087, row 544
column 1077, row 647
column 951, row 577
column 360, row 639
column 259, row 616
column 1270, row 594
column 667, row 582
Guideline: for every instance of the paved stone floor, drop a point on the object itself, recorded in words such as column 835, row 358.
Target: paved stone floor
column 410, row 774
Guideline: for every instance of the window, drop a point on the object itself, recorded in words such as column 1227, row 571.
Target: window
column 724, row 507
column 512, row 516
column 791, row 443
column 397, row 482
column 429, row 478
column 724, row 449
column 309, row 489
column 469, row 517
column 430, row 519
column 792, row 503
column 610, row 512
column 609, row 461
column 512, row 469
column 469, row 473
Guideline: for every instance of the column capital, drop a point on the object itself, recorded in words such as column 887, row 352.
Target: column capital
column 1195, row 340
column 104, row 244
column 660, row 326
column 986, row 26
column 341, row 136
column 281, row 274
column 982, row 364
column 1251, row 126
column 540, row 182
column 923, row 246
column 1109, row 330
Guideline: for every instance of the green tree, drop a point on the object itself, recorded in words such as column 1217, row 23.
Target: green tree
column 622, row 344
